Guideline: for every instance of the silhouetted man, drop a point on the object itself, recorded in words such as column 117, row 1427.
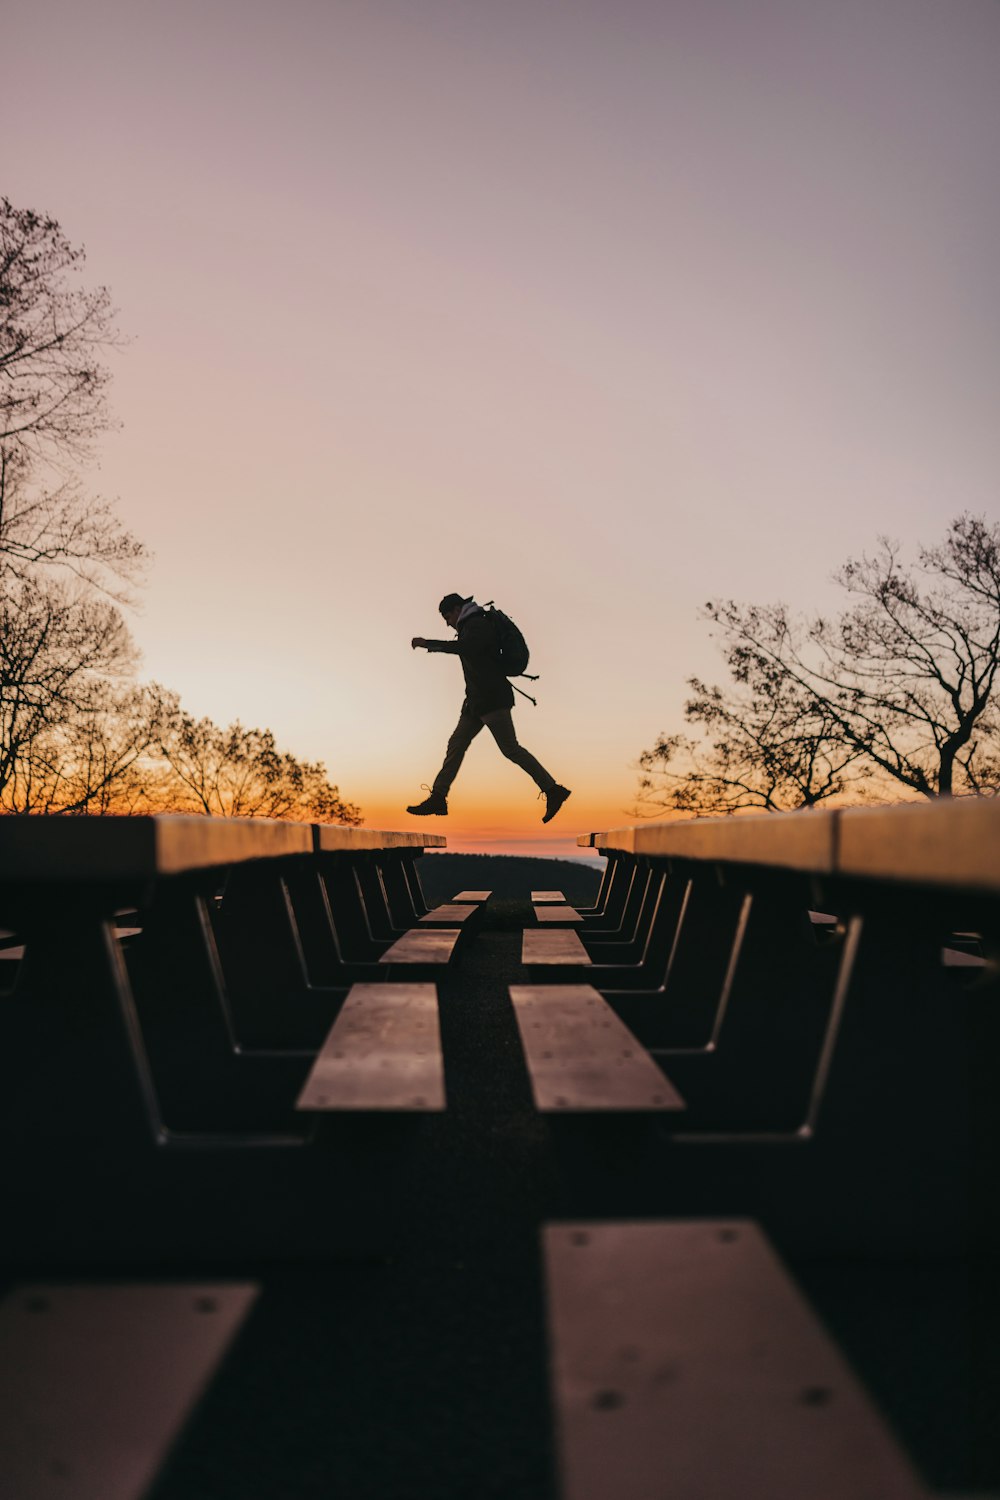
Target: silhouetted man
column 489, row 699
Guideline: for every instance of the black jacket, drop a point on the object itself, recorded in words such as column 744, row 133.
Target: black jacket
column 486, row 686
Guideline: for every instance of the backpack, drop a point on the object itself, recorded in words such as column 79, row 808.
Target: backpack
column 512, row 646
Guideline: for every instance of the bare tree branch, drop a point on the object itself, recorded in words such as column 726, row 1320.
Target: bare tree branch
column 899, row 689
column 52, row 337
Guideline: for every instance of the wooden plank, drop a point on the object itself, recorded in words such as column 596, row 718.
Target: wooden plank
column 557, row 914
column 581, row 1056
column 790, row 841
column 332, row 838
column 383, row 1052
column 544, row 896
column 117, row 848
column 429, row 945
column 553, row 948
column 96, row 1381
column 953, row 843
column 451, row 912
column 114, row 848
column 472, row 896
column 951, row 958
column 685, row 1364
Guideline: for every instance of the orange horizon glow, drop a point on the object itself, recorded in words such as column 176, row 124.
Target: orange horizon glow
column 508, row 825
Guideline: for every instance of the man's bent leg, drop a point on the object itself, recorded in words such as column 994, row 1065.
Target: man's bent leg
column 464, row 733
column 500, row 723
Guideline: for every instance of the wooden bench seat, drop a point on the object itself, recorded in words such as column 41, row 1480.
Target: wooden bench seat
column 685, row 1363
column 383, row 1052
column 430, row 945
column 951, row 958
column 543, row 897
column 449, row 914
column 542, row 948
column 472, row 896
column 581, row 1056
column 557, row 914
column 97, row 1381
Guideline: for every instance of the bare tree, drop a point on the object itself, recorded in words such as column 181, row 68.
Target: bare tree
column 66, row 561
column 101, row 756
column 899, row 690
column 56, row 642
column 911, row 668
column 765, row 747
column 53, row 406
column 238, row 772
column 44, row 529
column 52, row 336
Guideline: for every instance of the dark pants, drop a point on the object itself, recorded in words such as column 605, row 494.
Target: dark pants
column 501, row 725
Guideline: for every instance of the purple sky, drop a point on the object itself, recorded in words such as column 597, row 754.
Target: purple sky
column 600, row 310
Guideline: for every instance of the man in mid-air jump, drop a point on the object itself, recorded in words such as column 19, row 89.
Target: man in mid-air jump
column 489, row 699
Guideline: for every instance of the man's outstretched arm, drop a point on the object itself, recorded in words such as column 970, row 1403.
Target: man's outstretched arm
column 450, row 646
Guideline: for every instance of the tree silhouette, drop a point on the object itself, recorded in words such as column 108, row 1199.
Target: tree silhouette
column 50, row 529
column 897, row 691
column 66, row 562
column 52, row 336
column 99, row 757
column 56, row 646
column 77, row 734
column 238, row 772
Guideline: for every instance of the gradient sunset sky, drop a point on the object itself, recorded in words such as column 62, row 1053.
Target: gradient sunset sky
column 600, row 310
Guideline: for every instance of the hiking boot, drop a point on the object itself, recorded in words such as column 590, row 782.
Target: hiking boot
column 433, row 805
column 554, row 799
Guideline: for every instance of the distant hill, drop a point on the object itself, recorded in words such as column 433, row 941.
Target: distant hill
column 507, row 875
